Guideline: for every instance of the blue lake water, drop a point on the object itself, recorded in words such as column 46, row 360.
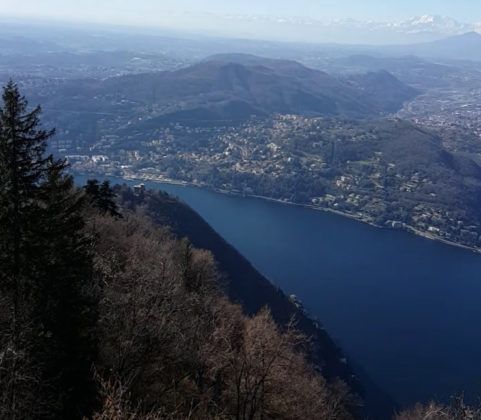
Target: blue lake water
column 405, row 308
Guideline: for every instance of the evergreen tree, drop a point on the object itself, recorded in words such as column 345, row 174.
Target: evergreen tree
column 102, row 197
column 23, row 169
column 63, row 303
column 44, row 264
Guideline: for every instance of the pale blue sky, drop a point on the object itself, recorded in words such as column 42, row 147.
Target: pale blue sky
column 127, row 11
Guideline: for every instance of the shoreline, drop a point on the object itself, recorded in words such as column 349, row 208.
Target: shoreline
column 360, row 219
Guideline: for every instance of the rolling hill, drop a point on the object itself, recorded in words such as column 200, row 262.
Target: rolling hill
column 236, row 87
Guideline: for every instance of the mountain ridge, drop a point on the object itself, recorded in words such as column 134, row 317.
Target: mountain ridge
column 237, row 87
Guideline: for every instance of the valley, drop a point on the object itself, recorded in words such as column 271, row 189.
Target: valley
column 388, row 141
column 375, row 146
column 259, row 226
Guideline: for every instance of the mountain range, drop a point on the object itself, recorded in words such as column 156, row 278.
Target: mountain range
column 29, row 47
column 427, row 24
column 235, row 87
column 415, row 29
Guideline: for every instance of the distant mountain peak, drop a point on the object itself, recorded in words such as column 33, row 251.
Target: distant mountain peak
column 433, row 19
column 426, row 19
column 422, row 28
column 464, row 46
column 471, row 35
column 235, row 87
column 462, row 41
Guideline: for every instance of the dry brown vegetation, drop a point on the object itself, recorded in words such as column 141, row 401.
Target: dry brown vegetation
column 457, row 410
column 172, row 346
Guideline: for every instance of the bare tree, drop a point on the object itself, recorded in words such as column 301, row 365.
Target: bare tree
column 171, row 343
column 265, row 376
column 457, row 410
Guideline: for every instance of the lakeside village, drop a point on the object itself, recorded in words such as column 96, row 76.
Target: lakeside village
column 321, row 163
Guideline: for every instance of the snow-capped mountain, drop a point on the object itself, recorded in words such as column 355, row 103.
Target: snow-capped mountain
column 442, row 25
column 413, row 30
column 417, row 29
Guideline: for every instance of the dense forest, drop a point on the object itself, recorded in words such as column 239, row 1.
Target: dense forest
column 107, row 313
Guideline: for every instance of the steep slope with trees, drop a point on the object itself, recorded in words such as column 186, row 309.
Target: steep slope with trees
column 174, row 347
column 247, row 287
column 242, row 282
column 105, row 315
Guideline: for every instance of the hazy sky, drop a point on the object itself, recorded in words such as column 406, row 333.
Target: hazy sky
column 136, row 11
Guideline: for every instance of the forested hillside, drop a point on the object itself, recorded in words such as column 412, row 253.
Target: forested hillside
column 242, row 282
column 105, row 315
column 229, row 87
column 109, row 312
column 172, row 346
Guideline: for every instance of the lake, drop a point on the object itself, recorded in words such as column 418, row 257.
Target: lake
column 405, row 308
